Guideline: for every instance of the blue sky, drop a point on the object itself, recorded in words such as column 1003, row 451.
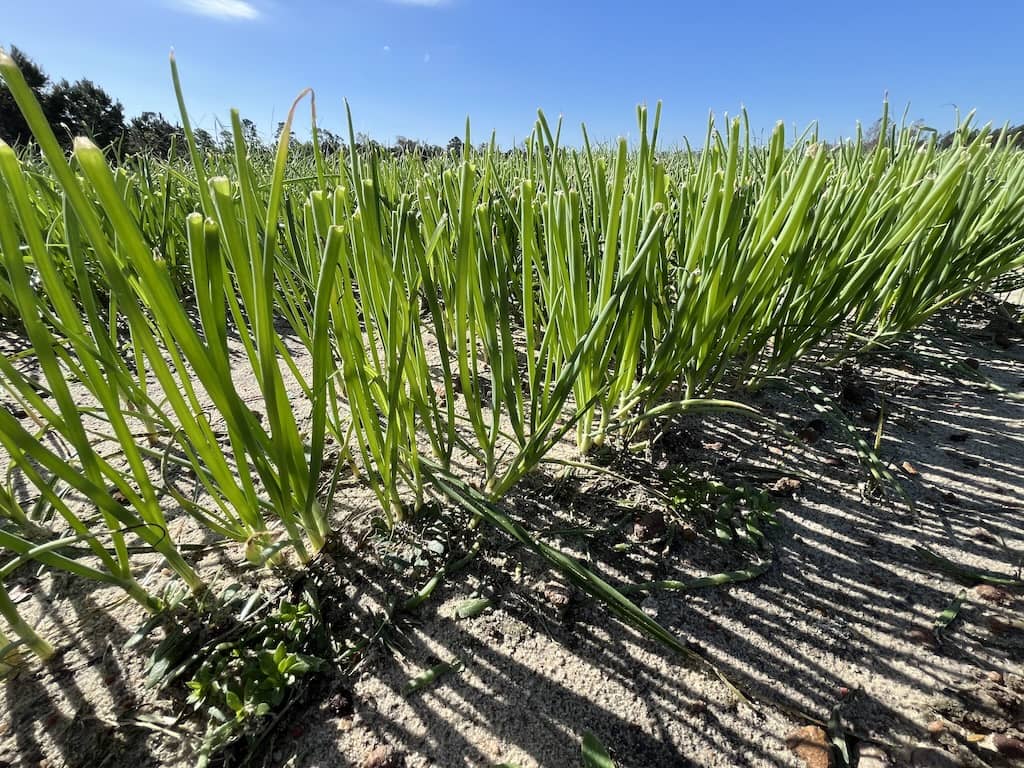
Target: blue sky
column 418, row 67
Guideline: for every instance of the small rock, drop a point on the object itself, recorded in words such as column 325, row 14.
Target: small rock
column 936, row 728
column 993, row 593
column 1008, row 745
column 994, row 676
column 650, row 525
column 341, row 704
column 697, row 707
column 774, row 450
column 982, row 534
column 999, row 625
column 909, row 468
column 870, row 756
column 808, row 434
column 716, row 446
column 558, row 595
column 972, row 363
column 384, row 757
column 922, row 636
column 811, row 745
column 786, row 486
column 833, row 461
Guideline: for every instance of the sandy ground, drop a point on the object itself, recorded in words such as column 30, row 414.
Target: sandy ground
column 840, row 621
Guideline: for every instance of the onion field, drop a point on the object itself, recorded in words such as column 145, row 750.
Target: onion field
column 433, row 332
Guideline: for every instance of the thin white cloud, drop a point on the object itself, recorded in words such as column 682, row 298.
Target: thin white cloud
column 426, row 58
column 220, row 9
column 387, row 49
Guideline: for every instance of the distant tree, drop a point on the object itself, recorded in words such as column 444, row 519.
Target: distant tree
column 83, row 108
column 330, row 143
column 422, row 149
column 13, row 128
column 150, row 133
column 204, row 140
column 406, row 146
column 279, row 130
column 455, row 145
column 1014, row 136
column 365, row 143
column 250, row 134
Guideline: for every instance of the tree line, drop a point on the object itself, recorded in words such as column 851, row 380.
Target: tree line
column 83, row 108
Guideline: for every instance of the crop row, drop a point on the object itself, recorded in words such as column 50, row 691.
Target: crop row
column 483, row 306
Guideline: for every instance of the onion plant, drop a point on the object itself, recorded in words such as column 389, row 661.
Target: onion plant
column 461, row 314
column 72, row 339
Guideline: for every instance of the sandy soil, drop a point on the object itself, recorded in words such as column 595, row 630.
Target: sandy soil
column 841, row 620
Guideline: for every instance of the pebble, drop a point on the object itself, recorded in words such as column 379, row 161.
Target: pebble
column 650, row 525
column 697, row 707
column 558, row 595
column 811, row 745
column 982, row 534
column 999, row 625
column 923, row 636
column 809, row 435
column 870, row 756
column 992, row 593
column 384, row 757
column 786, row 486
column 1008, row 745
